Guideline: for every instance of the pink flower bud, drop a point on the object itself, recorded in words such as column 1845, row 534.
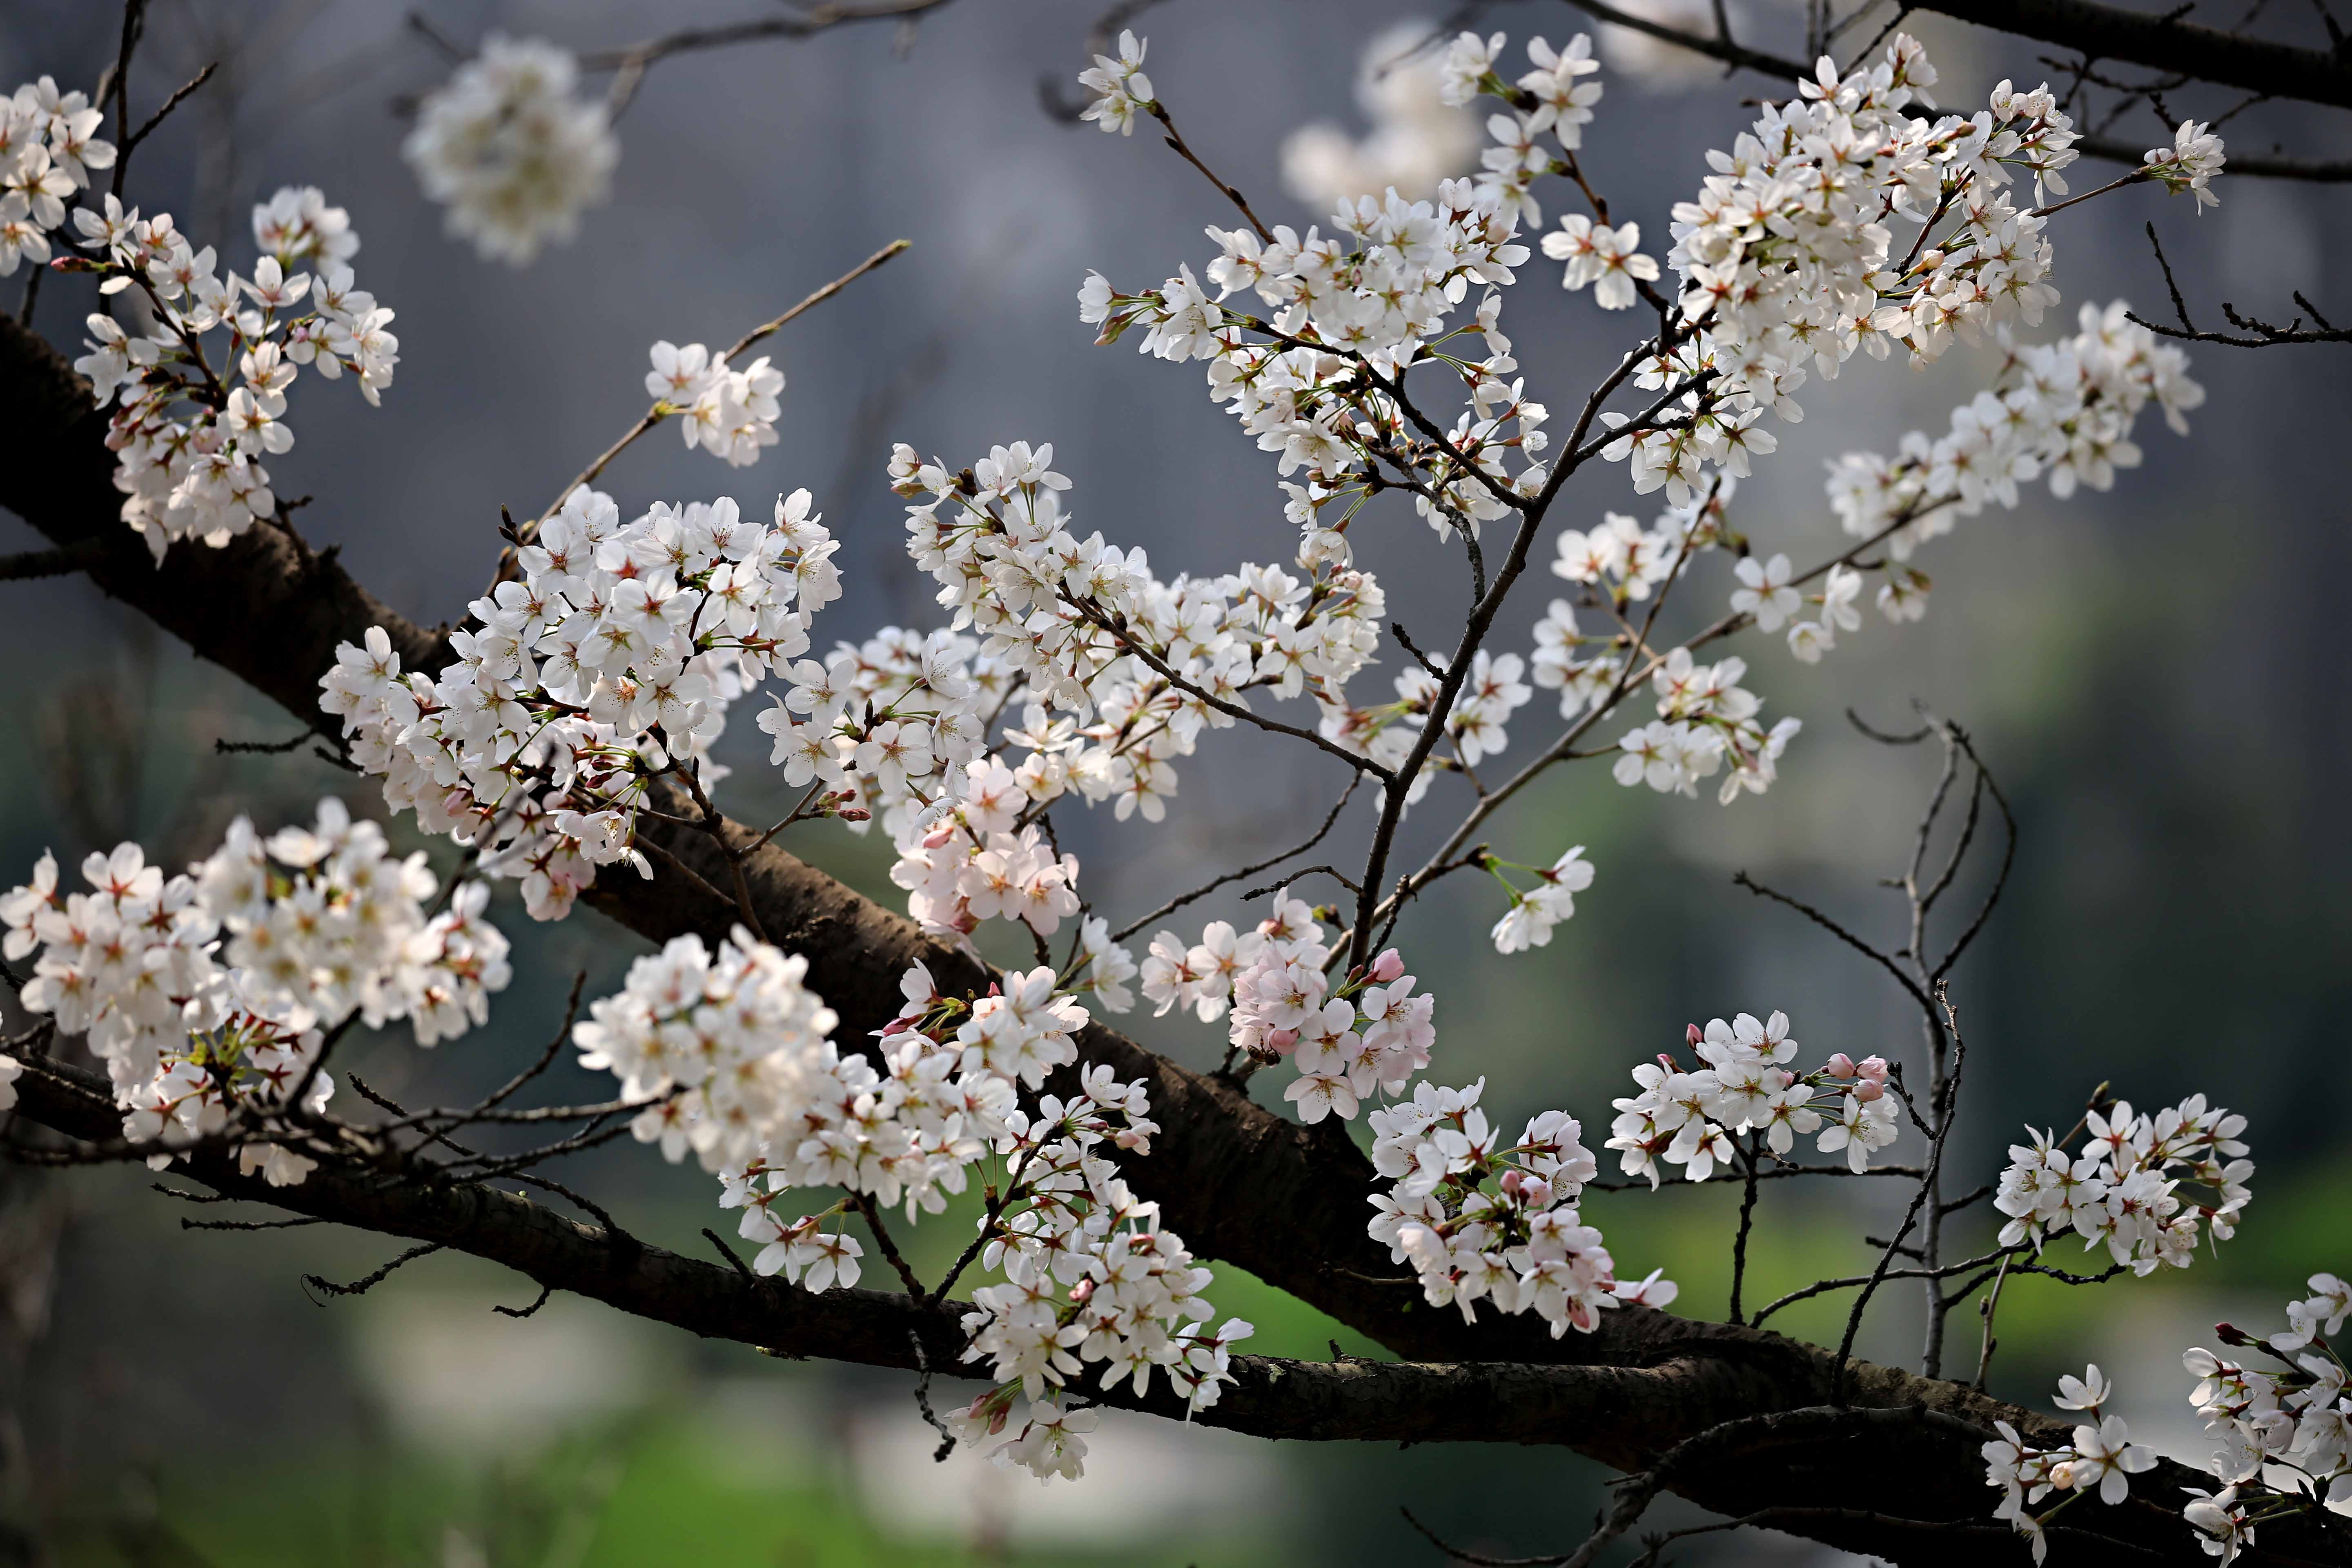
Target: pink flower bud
column 938, row 836
column 1868, row 1091
column 1388, row 966
column 1282, row 1042
column 1841, row 1065
column 1873, row 1069
column 1693, row 1033
column 853, row 814
column 1513, row 1179
column 1083, row 1290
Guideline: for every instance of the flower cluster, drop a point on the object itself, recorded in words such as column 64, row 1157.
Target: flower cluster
column 2123, row 1189
column 2188, row 165
column 1118, row 86
column 48, row 145
column 508, row 149
column 889, row 723
column 1367, row 1035
column 1478, row 1220
column 1535, row 910
column 939, row 1094
column 1690, row 1119
column 209, row 994
column 1704, row 719
column 728, row 412
column 1090, row 1274
column 720, row 1050
column 1788, row 261
column 1417, row 140
column 2064, row 410
column 957, row 876
column 728, row 1057
column 2101, row 1458
column 1122, row 670
column 609, row 662
column 1549, row 100
column 1476, row 726
column 191, row 442
column 1348, row 313
column 2284, row 1435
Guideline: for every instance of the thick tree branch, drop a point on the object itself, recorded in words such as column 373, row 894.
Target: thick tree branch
column 2165, row 42
column 1894, row 1435
column 2327, row 171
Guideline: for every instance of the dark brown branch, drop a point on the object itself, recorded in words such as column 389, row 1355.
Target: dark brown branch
column 1178, row 902
column 361, row 1286
column 2166, row 42
column 2335, row 170
column 629, row 64
column 1634, row 1407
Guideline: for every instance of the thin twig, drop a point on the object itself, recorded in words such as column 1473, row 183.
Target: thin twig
column 360, row 1286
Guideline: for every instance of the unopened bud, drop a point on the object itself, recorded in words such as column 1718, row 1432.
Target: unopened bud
column 1693, row 1033
column 1282, row 1042
column 853, row 814
column 1388, row 966
column 1868, row 1091
column 1872, row 1068
column 1841, row 1065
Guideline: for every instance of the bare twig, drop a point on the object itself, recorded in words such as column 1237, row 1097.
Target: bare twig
column 1181, row 900
column 360, row 1286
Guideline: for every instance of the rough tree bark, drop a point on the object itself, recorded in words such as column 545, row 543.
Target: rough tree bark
column 1242, row 1184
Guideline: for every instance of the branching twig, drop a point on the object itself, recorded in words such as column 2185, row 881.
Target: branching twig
column 360, row 1286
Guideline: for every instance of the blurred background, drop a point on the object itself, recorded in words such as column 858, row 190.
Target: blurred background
column 2154, row 674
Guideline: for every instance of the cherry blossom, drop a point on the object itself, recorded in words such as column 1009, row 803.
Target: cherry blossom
column 510, row 151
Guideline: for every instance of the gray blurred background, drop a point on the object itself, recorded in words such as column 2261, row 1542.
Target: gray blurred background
column 2155, row 675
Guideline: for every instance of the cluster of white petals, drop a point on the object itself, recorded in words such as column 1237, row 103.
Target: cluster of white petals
column 724, row 1052
column 1121, row 671
column 1371, row 297
column 508, row 149
column 2188, row 165
column 2065, row 411
column 1478, row 1220
column 2101, row 1458
column 610, row 661
column 209, row 994
column 1691, row 1118
column 48, row 145
column 1367, row 1035
column 1706, row 719
column 1117, row 86
column 2283, row 1431
column 191, row 434
column 2123, row 1188
column 1089, row 1272
column 730, row 414
column 729, row 1057
column 1534, row 910
column 1789, row 260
